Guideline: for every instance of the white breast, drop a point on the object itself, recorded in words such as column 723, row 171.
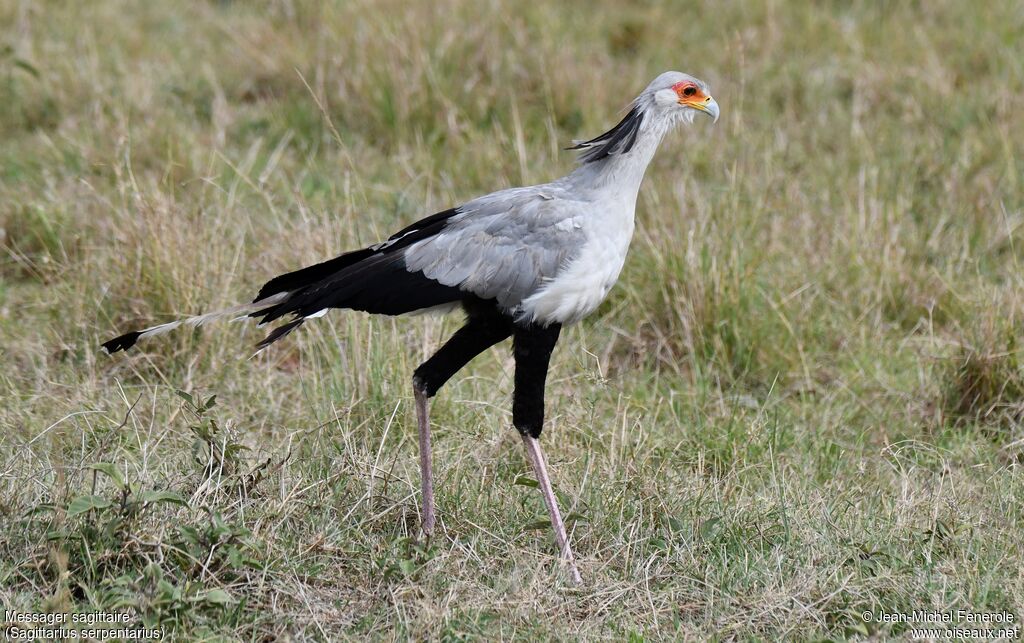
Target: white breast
column 581, row 286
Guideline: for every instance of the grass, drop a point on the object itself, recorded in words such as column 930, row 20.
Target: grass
column 802, row 401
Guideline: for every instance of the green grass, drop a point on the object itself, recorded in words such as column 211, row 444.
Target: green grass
column 803, row 400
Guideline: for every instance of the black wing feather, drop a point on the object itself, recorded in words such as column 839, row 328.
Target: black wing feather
column 297, row 279
column 375, row 280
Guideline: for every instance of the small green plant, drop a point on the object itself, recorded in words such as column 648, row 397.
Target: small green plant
column 214, row 448
column 100, row 533
column 406, row 558
column 116, row 548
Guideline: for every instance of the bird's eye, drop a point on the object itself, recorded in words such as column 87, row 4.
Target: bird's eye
column 689, row 91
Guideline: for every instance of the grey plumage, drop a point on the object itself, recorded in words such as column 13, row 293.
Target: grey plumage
column 504, row 246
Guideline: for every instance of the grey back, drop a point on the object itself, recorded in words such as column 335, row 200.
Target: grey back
column 504, row 246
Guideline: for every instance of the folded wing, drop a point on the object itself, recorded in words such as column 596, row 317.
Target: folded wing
column 505, row 246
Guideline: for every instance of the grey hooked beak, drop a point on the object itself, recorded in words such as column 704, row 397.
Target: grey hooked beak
column 700, row 101
column 709, row 107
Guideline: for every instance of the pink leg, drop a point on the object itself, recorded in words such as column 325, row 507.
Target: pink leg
column 426, row 471
column 541, row 470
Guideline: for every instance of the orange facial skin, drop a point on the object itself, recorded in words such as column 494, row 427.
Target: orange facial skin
column 690, row 94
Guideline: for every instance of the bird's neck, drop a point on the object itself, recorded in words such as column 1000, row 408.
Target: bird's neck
column 621, row 173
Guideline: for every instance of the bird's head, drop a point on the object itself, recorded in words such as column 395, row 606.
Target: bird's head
column 679, row 95
column 670, row 98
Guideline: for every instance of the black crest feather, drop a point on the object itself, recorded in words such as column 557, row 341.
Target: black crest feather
column 617, row 140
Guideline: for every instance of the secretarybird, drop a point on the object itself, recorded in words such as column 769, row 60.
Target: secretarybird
column 521, row 263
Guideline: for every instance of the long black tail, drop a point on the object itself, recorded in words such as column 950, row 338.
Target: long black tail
column 374, row 280
column 380, row 285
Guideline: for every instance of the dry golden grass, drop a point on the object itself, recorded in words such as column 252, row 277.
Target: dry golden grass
column 802, row 401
